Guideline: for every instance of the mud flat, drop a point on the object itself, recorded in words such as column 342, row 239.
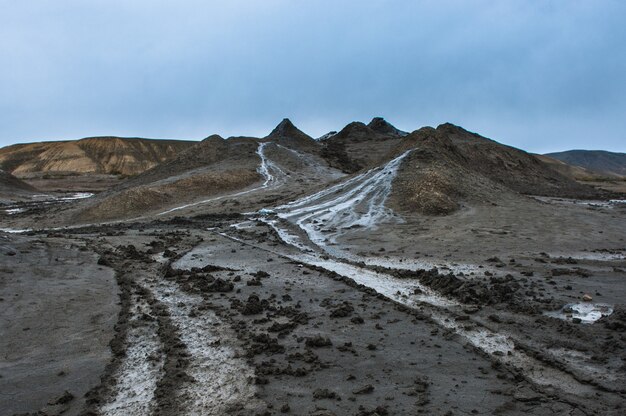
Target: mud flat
column 58, row 309
column 210, row 305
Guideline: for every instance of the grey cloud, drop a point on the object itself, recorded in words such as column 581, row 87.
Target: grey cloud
column 538, row 75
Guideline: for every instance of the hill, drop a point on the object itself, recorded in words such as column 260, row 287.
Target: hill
column 93, row 155
column 575, row 172
column 210, row 167
column 358, row 146
column 599, row 161
column 447, row 168
column 450, row 166
column 288, row 135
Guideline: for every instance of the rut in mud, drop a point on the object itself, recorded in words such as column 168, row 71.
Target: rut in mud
column 173, row 354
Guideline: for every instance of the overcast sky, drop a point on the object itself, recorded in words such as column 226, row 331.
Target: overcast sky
column 539, row 75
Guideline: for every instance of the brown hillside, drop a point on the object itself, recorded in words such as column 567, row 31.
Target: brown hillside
column 97, row 155
column 211, row 167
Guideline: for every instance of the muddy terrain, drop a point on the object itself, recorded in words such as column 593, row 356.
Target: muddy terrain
column 412, row 280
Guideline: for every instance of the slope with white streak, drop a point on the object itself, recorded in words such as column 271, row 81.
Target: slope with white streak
column 273, row 176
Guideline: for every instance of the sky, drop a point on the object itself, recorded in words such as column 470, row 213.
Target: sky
column 539, row 75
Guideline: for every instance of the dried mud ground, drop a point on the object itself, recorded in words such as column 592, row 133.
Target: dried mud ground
column 194, row 316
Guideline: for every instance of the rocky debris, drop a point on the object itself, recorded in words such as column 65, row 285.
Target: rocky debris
column 343, row 310
column 58, row 405
column 283, row 309
column 576, row 271
column 201, row 281
column 488, row 291
column 564, row 260
column 322, row 412
column 367, row 389
column 357, row 320
column 253, row 306
column 282, row 328
column 130, row 252
column 377, row 411
column 616, row 321
column 66, row 397
column 264, row 343
column 319, row 394
column 318, row 341
column 254, row 282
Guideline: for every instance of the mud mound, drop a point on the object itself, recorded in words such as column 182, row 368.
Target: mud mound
column 599, row 161
column 450, row 166
column 514, row 168
column 286, row 134
column 435, row 179
column 359, row 146
column 382, row 126
column 102, row 155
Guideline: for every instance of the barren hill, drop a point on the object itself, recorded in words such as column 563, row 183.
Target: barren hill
column 287, row 134
column 446, row 168
column 600, row 161
column 382, row 126
column 210, row 167
column 358, row 146
column 575, row 172
column 109, row 155
column 450, row 165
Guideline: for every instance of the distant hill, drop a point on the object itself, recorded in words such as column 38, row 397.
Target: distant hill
column 575, row 172
column 600, row 161
column 109, row 155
